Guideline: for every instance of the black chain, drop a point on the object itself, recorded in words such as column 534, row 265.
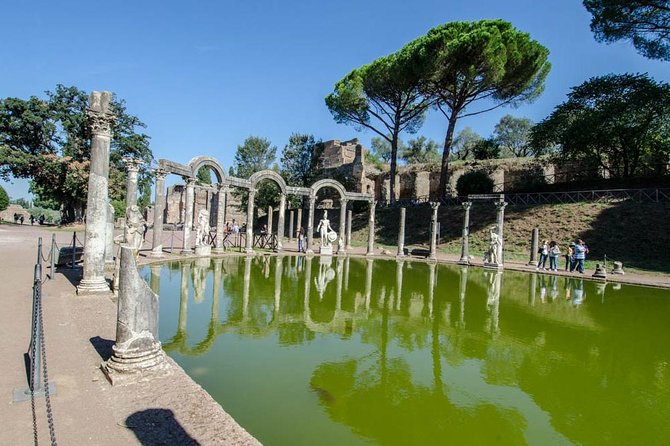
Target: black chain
column 45, row 374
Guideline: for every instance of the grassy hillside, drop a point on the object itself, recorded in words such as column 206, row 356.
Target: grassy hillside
column 635, row 233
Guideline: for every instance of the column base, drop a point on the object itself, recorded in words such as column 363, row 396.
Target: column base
column 497, row 266
column 464, row 261
column 133, row 366
column 249, row 250
column 157, row 254
column 218, row 250
column 96, row 285
column 369, row 254
column 309, row 252
column 186, row 252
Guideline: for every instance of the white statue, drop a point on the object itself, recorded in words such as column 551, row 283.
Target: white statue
column 134, row 227
column 202, row 229
column 328, row 235
column 492, row 256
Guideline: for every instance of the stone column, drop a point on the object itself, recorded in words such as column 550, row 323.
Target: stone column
column 465, row 237
column 310, row 226
column 270, row 217
column 281, row 222
column 401, row 234
column 100, row 119
column 290, row 226
column 188, row 215
column 371, row 228
column 534, row 246
column 109, row 237
column 159, row 210
column 343, row 224
column 138, row 355
column 462, row 291
column 220, row 219
column 500, row 206
column 132, row 170
column 368, row 283
column 298, row 224
column 250, row 221
column 398, row 281
column 245, row 288
column 433, row 230
column 349, row 212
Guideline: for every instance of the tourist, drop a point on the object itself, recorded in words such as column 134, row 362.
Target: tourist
column 569, row 256
column 243, row 228
column 580, row 256
column 236, row 227
column 544, row 253
column 554, row 252
column 21, row 218
column 32, row 220
column 301, row 240
column 41, row 219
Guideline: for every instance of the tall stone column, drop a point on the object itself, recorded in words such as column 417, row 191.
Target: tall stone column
column 298, row 224
column 270, row 218
column 401, row 234
column 220, row 219
column 250, row 221
column 290, row 226
column 435, row 205
column 100, row 119
column 349, row 212
column 368, row 282
column 159, row 209
column 310, row 226
column 343, row 223
column 371, row 228
column 465, row 237
column 109, row 237
column 534, row 246
column 132, row 169
column 281, row 222
column 500, row 206
column 188, row 215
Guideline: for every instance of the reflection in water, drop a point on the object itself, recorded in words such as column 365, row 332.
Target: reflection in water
column 361, row 356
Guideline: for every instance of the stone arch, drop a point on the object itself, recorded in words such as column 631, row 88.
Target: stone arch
column 199, row 161
column 268, row 174
column 328, row 182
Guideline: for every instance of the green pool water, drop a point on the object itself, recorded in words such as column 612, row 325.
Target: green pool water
column 349, row 351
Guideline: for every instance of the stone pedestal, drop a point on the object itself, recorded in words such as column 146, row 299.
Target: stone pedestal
column 326, row 250
column 138, row 355
column 600, row 272
column 100, row 120
column 617, row 268
column 203, row 250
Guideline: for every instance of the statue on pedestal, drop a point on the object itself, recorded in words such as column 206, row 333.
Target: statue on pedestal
column 202, row 228
column 328, row 235
column 492, row 256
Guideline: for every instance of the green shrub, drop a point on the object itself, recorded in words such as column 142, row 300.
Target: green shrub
column 4, row 199
column 474, row 182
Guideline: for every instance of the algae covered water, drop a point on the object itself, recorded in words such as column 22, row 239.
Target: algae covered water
column 346, row 351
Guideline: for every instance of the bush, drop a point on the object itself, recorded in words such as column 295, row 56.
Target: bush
column 50, row 216
column 475, row 182
column 530, row 180
column 4, row 199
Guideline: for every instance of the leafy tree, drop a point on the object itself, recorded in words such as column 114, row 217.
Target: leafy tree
column 382, row 150
column 4, row 199
column 486, row 149
column 21, row 202
column 646, row 23
column 474, row 182
column 421, row 150
column 300, row 162
column 464, row 142
column 256, row 154
column 48, row 141
column 513, row 135
column 488, row 61
column 618, row 123
column 383, row 96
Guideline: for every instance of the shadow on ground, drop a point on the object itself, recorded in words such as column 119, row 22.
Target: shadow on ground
column 103, row 347
column 158, row 427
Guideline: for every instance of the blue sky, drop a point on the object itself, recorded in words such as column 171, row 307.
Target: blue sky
column 205, row 75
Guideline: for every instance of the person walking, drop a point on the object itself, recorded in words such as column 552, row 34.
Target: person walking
column 580, row 256
column 301, row 239
column 544, row 253
column 554, row 252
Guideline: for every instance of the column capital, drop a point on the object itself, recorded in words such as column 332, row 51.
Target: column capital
column 159, row 173
column 224, row 188
column 500, row 204
column 434, row 205
column 132, row 164
column 466, row 205
column 100, row 122
column 190, row 182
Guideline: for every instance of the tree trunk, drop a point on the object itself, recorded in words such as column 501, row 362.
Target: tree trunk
column 448, row 142
column 394, row 163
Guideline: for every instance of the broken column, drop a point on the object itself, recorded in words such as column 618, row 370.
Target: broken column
column 222, row 198
column 132, row 172
column 138, row 355
column 371, row 228
column 100, row 120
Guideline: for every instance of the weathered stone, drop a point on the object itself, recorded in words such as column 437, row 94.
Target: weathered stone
column 371, row 228
column 534, row 246
column 600, row 272
column 159, row 209
column 617, row 268
column 433, row 230
column 138, row 355
column 109, row 238
column 465, row 237
column 401, row 234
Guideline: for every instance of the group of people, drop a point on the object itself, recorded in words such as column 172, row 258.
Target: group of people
column 19, row 219
column 574, row 256
column 234, row 228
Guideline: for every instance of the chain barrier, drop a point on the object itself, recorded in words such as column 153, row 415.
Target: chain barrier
column 39, row 382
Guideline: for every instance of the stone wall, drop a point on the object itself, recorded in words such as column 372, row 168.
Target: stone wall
column 8, row 214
